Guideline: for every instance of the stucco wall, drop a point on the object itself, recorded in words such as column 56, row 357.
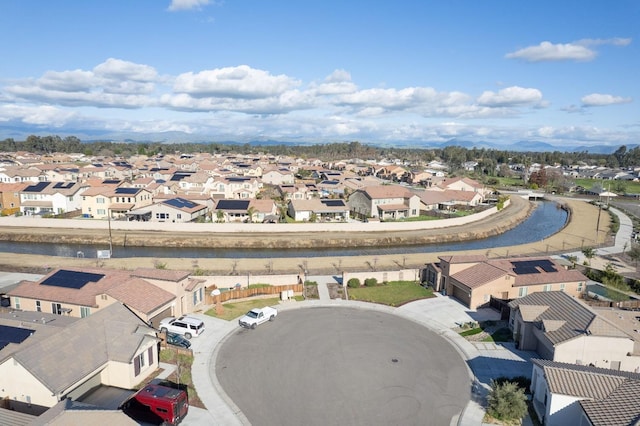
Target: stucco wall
column 596, row 350
column 18, row 384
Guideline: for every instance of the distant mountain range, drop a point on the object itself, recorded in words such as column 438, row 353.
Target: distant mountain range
column 85, row 135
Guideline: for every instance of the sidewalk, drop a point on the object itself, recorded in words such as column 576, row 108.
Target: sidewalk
column 440, row 314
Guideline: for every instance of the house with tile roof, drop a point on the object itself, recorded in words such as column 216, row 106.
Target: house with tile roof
column 173, row 209
column 52, row 197
column 81, row 292
column 324, row 210
column 561, row 328
column 384, row 202
column 188, row 291
column 40, row 368
column 278, row 176
column 10, row 197
column 569, row 394
column 22, row 174
column 475, row 279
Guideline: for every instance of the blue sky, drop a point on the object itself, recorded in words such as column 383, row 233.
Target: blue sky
column 563, row 72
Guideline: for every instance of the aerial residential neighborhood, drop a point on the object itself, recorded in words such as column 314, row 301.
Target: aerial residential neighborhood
column 539, row 297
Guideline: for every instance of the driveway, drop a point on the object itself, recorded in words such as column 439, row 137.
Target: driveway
column 343, row 365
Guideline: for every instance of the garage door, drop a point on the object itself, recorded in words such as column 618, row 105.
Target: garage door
column 461, row 294
column 155, row 321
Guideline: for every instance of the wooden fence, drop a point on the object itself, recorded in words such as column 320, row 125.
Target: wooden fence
column 250, row 292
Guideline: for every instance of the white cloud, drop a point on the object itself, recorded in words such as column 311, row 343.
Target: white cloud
column 117, row 69
column 177, row 5
column 616, row 41
column 575, row 51
column 510, row 96
column 599, row 99
column 547, row 51
column 233, row 82
column 37, row 115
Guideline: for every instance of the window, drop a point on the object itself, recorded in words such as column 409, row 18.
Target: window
column 562, row 287
column 138, row 363
column 84, row 311
column 580, row 286
column 522, row 291
column 16, row 302
column 100, row 200
column 38, row 306
column 179, row 216
column 162, row 215
column 547, row 287
column 102, row 212
column 56, row 308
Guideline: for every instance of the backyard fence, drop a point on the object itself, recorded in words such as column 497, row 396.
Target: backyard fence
column 250, row 292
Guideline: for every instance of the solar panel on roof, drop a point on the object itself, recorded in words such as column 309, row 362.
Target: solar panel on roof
column 525, row 267
column 9, row 334
column 71, row 279
column 38, row 187
column 110, row 181
column 238, row 179
column 333, row 203
column 330, row 182
column 63, row 185
column 127, row 191
column 180, row 203
column 232, row 205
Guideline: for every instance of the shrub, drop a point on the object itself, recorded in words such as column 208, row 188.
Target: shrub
column 506, row 401
column 370, row 282
column 353, row 283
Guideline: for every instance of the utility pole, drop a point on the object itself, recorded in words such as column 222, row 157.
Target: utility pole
column 110, row 237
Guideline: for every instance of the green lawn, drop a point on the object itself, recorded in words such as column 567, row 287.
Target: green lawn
column 471, row 332
column 395, row 293
column 234, row 310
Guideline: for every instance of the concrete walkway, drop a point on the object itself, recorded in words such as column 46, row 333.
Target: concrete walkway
column 440, row 314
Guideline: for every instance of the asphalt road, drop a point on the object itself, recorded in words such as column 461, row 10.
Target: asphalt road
column 344, row 366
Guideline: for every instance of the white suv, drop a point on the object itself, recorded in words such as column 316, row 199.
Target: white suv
column 185, row 325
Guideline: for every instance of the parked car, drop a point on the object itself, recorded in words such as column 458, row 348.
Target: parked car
column 156, row 404
column 257, row 316
column 178, row 340
column 185, row 326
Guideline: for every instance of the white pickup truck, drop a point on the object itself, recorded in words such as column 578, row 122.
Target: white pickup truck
column 257, row 316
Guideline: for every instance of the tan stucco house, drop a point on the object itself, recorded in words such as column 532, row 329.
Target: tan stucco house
column 561, row 328
column 475, row 279
column 50, row 359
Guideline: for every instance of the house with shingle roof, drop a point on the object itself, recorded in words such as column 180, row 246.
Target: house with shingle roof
column 113, row 347
column 81, row 292
column 569, row 394
column 561, row 328
column 475, row 280
column 384, row 201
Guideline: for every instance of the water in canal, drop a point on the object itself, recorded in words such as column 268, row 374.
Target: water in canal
column 546, row 220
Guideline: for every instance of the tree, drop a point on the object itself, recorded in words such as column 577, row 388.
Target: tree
column 506, row 401
column 250, row 212
column 589, row 253
column 220, row 216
